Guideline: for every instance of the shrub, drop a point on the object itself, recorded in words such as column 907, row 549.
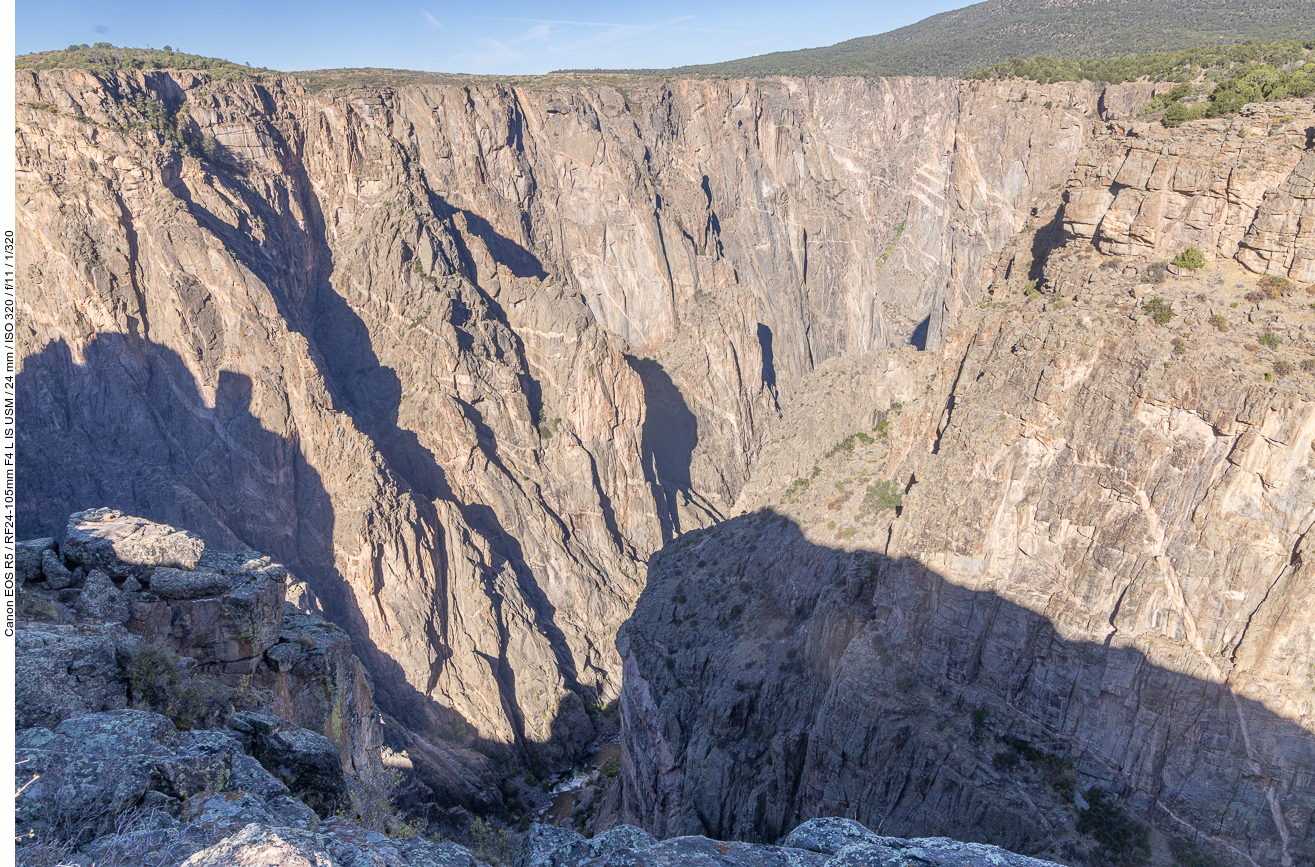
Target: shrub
column 1160, row 311
column 1156, row 273
column 1275, row 285
column 1179, row 113
column 191, row 699
column 1270, row 339
column 1308, row 365
column 1122, row 839
column 1179, row 347
column 881, row 495
column 370, row 800
column 1284, row 368
column 1219, row 322
column 491, row 844
column 847, row 444
column 1192, row 258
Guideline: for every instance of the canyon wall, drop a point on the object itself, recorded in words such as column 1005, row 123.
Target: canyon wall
column 464, row 356
column 1066, row 550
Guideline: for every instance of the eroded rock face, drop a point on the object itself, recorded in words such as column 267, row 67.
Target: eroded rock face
column 1233, row 187
column 464, row 357
column 225, row 619
column 1067, row 551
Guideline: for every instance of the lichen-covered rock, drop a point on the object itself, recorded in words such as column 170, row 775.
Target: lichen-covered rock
column 56, row 574
column 259, row 845
column 319, row 684
column 122, row 545
column 101, row 600
column 27, row 559
column 94, row 766
column 65, row 670
column 170, row 583
column 702, row 852
column 828, row 835
column 305, row 761
column 228, row 617
column 553, row 846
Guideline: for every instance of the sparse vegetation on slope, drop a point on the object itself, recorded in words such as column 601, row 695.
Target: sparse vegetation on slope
column 103, row 58
column 963, row 40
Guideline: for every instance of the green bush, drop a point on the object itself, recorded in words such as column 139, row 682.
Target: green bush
column 370, row 800
column 192, row 700
column 1192, row 258
column 1270, row 339
column 881, row 495
column 1179, row 113
column 1160, row 311
column 1123, row 840
column 491, row 844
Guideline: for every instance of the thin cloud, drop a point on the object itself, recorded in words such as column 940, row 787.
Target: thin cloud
column 669, row 25
column 431, row 19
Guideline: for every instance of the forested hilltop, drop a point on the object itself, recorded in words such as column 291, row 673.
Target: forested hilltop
column 104, row 57
column 964, row 40
column 1212, row 81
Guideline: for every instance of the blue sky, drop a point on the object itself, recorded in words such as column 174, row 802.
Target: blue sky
column 493, row 36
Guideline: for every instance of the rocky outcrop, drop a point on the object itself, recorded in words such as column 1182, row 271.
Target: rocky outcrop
column 1234, row 187
column 465, row 356
column 625, row 846
column 1063, row 553
column 223, row 616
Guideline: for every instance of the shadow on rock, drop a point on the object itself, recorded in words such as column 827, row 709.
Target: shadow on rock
column 770, row 680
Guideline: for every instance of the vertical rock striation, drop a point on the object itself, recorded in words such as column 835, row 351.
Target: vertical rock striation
column 464, row 356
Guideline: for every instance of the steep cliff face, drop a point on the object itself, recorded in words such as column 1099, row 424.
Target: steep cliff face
column 1235, row 187
column 1068, row 549
column 465, row 356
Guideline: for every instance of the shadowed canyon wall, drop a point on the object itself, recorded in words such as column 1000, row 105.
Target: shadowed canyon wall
column 466, row 356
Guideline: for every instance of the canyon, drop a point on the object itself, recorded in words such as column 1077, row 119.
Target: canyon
column 492, row 366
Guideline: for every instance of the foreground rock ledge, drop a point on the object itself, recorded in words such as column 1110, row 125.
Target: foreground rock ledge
column 816, row 843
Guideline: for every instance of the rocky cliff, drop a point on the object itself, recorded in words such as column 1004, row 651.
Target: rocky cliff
column 465, row 356
column 1064, row 553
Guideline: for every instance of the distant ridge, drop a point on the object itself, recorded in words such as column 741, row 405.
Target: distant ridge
column 965, row 40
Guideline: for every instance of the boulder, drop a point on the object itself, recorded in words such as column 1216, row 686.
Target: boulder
column 101, row 600
column 259, row 845
column 57, row 575
column 828, row 835
column 123, row 545
column 305, row 761
column 553, row 846
column 27, row 559
column 170, row 583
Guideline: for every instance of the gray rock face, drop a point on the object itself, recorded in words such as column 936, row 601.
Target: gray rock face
column 121, row 545
column 226, row 618
column 306, row 762
column 64, row 670
column 28, row 558
column 431, row 392
column 100, row 773
column 962, row 621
